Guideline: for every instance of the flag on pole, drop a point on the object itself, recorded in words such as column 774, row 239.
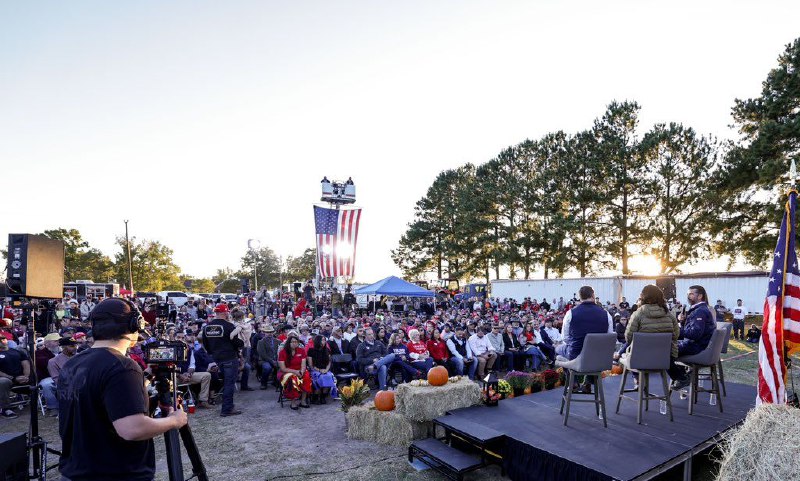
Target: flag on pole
column 780, row 335
column 337, row 234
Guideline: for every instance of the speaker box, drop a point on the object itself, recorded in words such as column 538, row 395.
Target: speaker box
column 35, row 266
column 14, row 457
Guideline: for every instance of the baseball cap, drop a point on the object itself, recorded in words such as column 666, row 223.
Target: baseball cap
column 66, row 341
column 221, row 308
column 79, row 335
column 6, row 335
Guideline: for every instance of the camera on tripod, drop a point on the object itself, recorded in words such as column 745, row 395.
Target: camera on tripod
column 162, row 310
column 165, row 352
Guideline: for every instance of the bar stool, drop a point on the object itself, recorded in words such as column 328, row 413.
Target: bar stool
column 650, row 354
column 708, row 358
column 595, row 357
column 728, row 327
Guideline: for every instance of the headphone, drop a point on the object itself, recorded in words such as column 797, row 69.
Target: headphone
column 134, row 320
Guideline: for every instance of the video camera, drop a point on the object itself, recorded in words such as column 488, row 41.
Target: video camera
column 165, row 352
column 162, row 310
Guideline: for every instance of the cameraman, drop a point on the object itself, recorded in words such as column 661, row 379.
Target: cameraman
column 103, row 423
column 219, row 340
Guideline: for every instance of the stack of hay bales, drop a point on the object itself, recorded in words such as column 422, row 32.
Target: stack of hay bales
column 416, row 408
column 765, row 447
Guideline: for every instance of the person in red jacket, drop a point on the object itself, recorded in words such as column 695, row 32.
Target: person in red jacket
column 438, row 348
column 418, row 352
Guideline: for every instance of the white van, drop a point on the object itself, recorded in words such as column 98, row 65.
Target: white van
column 177, row 297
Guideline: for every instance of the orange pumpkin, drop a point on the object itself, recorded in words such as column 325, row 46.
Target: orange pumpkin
column 384, row 401
column 438, row 376
column 616, row 369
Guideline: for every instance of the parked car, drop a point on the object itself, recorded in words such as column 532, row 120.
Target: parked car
column 177, row 297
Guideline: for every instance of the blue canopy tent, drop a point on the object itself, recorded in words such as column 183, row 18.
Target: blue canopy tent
column 394, row 286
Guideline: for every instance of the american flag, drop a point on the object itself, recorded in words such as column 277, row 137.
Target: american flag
column 781, row 329
column 337, row 234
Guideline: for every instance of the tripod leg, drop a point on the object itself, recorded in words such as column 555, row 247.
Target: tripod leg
column 174, row 462
column 198, row 468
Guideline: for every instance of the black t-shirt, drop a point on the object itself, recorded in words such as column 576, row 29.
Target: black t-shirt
column 216, row 338
column 11, row 362
column 95, row 388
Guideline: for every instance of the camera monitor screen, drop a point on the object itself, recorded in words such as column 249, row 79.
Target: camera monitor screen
column 162, row 354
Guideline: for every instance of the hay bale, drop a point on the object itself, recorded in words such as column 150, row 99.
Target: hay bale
column 426, row 403
column 765, row 446
column 383, row 427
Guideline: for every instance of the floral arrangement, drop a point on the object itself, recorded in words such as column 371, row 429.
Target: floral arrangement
column 537, row 382
column 518, row 380
column 504, row 388
column 353, row 395
column 490, row 396
column 550, row 378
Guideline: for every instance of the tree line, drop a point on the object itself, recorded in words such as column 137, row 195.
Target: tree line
column 591, row 200
column 153, row 268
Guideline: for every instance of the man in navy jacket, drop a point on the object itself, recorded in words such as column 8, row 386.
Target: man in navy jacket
column 696, row 331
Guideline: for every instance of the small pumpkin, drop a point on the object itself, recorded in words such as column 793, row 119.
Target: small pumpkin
column 438, row 376
column 384, row 401
column 527, row 390
column 616, row 369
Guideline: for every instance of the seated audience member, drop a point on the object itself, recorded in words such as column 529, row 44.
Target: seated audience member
column 621, row 327
column 418, row 352
column 495, row 337
column 585, row 318
column 514, row 354
column 753, row 334
column 15, row 370
column 68, row 349
column 531, row 340
column 267, row 351
column 461, row 356
column 188, row 373
column 483, row 351
column 437, row 347
column 401, row 360
column 695, row 333
column 293, row 373
column 337, row 343
column 374, row 358
column 43, row 356
column 319, row 364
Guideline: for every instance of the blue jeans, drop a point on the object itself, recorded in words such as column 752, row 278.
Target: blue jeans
column 423, row 366
column 266, row 373
column 245, row 376
column 537, row 358
column 49, row 392
column 230, row 370
column 459, row 365
column 382, row 368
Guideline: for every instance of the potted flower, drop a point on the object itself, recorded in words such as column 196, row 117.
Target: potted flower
column 537, row 382
column 518, row 381
column 550, row 378
column 504, row 388
column 353, row 395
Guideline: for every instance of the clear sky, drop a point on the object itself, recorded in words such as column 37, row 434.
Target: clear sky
column 206, row 123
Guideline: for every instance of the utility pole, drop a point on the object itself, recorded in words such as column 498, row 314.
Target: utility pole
column 130, row 263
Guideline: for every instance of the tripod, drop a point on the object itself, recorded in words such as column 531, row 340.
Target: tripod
column 166, row 379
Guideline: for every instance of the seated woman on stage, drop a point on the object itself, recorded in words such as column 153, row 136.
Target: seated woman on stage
column 418, row 352
column 292, row 372
column 653, row 316
column 319, row 365
column 438, row 348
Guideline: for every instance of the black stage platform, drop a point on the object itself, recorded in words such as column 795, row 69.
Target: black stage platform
column 537, row 446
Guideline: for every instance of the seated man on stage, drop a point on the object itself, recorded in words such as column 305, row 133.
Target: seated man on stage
column 696, row 331
column 585, row 318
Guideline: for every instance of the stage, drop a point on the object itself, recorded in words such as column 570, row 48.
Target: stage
column 537, row 446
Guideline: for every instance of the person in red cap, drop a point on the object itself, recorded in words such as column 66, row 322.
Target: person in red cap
column 217, row 339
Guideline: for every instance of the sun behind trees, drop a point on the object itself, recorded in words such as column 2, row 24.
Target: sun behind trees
column 592, row 200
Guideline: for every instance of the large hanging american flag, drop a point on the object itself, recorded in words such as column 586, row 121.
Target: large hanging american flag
column 780, row 335
column 337, row 234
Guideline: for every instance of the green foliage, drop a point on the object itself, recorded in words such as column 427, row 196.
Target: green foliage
column 80, row 260
column 152, row 266
column 202, row 285
column 267, row 264
column 752, row 183
column 303, row 267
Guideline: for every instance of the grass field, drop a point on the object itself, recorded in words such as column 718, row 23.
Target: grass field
column 270, row 443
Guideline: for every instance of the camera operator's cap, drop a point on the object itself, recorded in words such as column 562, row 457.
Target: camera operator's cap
column 53, row 336
column 221, row 308
column 66, row 341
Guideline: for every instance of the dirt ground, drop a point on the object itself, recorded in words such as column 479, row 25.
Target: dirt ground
column 268, row 442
